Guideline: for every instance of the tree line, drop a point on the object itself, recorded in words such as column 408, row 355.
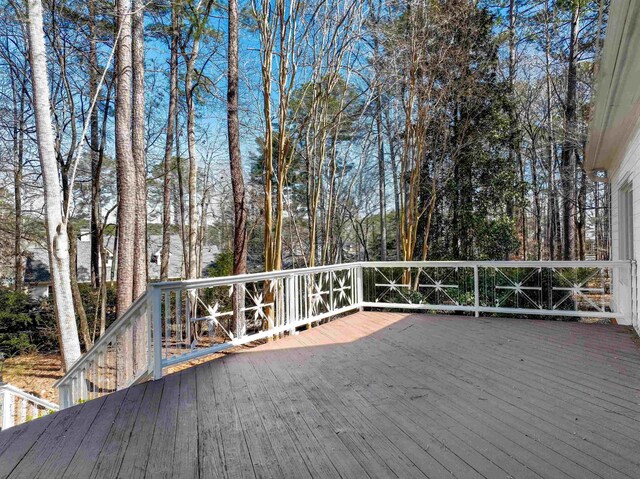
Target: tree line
column 291, row 134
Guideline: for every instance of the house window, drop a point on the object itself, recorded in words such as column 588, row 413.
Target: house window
column 626, row 221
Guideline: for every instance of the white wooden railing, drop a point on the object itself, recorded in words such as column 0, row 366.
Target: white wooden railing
column 19, row 406
column 179, row 321
column 121, row 357
column 596, row 289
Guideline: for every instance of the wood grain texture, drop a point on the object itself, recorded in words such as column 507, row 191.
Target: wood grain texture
column 369, row 395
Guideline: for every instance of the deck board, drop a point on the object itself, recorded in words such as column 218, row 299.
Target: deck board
column 186, row 442
column 236, row 455
column 163, row 439
column 552, row 450
column 135, row 459
column 92, row 444
column 372, row 394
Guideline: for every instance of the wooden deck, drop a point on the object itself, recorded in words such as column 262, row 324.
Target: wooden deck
column 368, row 395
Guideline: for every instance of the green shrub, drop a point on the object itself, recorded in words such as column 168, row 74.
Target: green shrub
column 26, row 325
column 223, row 265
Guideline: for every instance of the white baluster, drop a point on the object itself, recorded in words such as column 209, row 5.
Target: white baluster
column 189, row 311
column 167, row 322
column 155, row 306
column 22, row 412
column 332, row 305
column 476, row 290
column 7, row 409
column 178, row 335
column 360, row 286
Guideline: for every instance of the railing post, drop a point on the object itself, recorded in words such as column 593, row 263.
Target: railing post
column 64, row 396
column 155, row 307
column 150, row 335
column 239, row 318
column 7, row 409
column 476, row 290
column 331, row 298
column 360, row 286
column 290, row 302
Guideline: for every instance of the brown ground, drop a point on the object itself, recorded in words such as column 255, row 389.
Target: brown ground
column 35, row 374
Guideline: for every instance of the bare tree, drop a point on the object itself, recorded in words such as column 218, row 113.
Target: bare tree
column 56, row 223
column 96, row 158
column 168, row 149
column 18, row 139
column 199, row 15
column 235, row 160
column 138, row 149
column 127, row 172
column 569, row 153
column 379, row 130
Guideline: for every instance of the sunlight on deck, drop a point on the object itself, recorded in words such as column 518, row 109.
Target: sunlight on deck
column 372, row 394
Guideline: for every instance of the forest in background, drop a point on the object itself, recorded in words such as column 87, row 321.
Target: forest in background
column 292, row 134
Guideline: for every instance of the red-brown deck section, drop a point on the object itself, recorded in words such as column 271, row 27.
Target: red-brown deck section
column 368, row 395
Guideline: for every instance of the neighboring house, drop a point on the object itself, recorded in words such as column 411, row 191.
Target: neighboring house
column 613, row 149
column 37, row 277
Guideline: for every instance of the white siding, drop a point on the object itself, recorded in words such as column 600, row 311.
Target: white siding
column 627, row 170
column 39, row 291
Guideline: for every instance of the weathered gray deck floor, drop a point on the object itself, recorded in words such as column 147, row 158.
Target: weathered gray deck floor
column 369, row 395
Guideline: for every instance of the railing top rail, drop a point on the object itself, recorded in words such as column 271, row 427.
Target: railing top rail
column 105, row 338
column 501, row 264
column 29, row 397
column 243, row 278
column 229, row 280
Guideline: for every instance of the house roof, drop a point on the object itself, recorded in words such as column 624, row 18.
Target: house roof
column 37, row 270
column 617, row 101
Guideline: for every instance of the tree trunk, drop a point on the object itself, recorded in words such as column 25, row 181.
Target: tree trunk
column 514, row 144
column 581, row 217
column 192, row 268
column 75, row 290
column 568, row 163
column 396, row 185
column 235, row 163
column 57, row 239
column 103, row 290
column 18, row 151
column 381, row 182
column 266, row 65
column 140, row 263
column 96, row 158
column 126, row 168
column 138, row 132
column 168, row 149
column 183, row 211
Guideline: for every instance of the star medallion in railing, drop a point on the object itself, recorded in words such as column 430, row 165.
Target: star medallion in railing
column 342, row 288
column 259, row 305
column 439, row 286
column 579, row 289
column 316, row 293
column 391, row 286
column 519, row 288
column 212, row 318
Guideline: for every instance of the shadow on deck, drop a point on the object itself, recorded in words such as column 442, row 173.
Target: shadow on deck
column 368, row 395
